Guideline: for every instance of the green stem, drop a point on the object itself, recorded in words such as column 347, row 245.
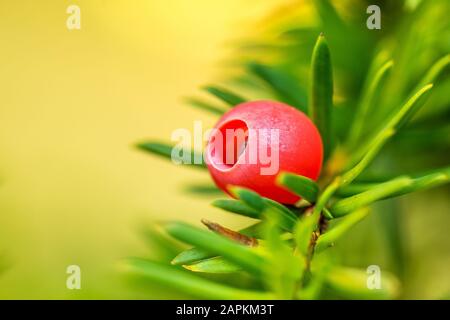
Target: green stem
column 347, row 205
column 189, row 283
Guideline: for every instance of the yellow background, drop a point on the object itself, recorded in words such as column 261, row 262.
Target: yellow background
column 72, row 104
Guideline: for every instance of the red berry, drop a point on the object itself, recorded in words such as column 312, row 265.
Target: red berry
column 299, row 148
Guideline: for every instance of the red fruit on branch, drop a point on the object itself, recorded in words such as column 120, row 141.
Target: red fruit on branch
column 256, row 140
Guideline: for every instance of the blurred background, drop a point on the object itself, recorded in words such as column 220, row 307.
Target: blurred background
column 73, row 189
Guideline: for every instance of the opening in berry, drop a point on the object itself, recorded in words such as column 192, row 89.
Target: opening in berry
column 228, row 143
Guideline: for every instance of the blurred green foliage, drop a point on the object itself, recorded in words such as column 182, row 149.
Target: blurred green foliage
column 380, row 99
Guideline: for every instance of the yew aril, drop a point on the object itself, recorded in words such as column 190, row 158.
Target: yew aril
column 298, row 150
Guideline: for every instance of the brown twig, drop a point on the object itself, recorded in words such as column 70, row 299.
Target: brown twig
column 230, row 234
